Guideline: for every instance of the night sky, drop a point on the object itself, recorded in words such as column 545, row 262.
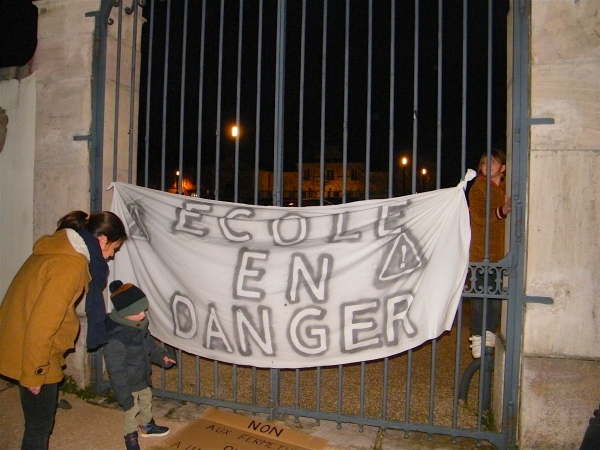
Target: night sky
column 452, row 36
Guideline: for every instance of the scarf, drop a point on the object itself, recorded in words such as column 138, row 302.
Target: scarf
column 95, row 307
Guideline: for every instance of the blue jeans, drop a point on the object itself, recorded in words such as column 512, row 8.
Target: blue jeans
column 39, row 411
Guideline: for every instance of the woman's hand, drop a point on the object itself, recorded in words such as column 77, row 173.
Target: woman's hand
column 506, row 208
column 35, row 390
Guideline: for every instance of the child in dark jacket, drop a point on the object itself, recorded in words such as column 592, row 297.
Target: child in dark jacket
column 128, row 356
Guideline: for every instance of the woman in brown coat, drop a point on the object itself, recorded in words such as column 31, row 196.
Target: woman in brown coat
column 38, row 323
column 500, row 206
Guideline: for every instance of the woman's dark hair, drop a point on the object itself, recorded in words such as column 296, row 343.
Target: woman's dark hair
column 97, row 224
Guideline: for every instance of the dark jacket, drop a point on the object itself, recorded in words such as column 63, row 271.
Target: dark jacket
column 128, row 356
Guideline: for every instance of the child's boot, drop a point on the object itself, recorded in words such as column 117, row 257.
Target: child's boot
column 153, row 430
column 131, row 441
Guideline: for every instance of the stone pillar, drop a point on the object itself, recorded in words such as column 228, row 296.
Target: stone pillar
column 63, row 64
column 561, row 349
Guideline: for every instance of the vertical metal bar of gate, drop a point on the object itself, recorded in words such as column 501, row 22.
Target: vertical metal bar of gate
column 182, row 97
column 279, row 103
column 98, row 92
column 96, row 141
column 132, row 93
column 301, row 105
column 165, row 97
column 258, row 103
column 199, row 178
column 520, row 146
column 236, row 171
column 463, row 96
column 323, row 93
column 415, row 99
column 413, row 187
column 440, row 72
column 117, row 94
column 438, row 184
column 486, row 259
column 345, row 124
column 369, row 99
column 391, row 161
column 278, row 160
column 148, row 96
column 217, row 186
column 463, row 152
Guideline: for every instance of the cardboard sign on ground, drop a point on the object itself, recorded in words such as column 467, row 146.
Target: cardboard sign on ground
column 220, row 430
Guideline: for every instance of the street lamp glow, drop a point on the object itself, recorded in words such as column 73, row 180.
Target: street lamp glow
column 424, row 171
column 177, row 172
column 234, row 131
column 403, row 164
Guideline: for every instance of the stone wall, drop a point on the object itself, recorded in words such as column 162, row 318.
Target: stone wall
column 63, row 64
column 17, row 100
column 561, row 367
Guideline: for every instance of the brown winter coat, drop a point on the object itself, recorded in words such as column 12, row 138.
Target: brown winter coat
column 477, row 205
column 38, row 323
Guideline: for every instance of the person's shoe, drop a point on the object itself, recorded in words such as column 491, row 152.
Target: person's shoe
column 153, row 430
column 63, row 404
column 131, row 441
column 475, row 346
column 490, row 341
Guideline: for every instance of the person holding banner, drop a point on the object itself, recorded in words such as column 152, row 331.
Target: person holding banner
column 38, row 322
column 500, row 207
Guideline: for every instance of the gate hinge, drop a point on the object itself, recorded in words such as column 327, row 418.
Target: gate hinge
column 541, row 121
column 537, row 299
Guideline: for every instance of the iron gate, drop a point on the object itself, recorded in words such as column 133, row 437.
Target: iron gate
column 331, row 102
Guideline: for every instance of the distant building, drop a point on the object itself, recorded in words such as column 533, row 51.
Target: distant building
column 333, row 186
column 333, row 182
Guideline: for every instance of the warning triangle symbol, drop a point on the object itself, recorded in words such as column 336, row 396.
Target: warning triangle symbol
column 402, row 259
column 136, row 226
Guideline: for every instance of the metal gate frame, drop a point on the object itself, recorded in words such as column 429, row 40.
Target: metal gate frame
column 513, row 263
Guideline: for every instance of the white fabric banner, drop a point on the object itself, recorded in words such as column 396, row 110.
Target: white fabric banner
column 295, row 287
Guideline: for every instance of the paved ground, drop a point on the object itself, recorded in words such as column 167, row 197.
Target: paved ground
column 90, row 426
